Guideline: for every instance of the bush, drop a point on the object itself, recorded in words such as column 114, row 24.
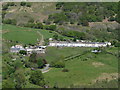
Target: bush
column 11, row 4
column 28, row 4
column 23, row 3
column 10, row 21
column 23, row 52
column 5, row 7
column 58, row 64
column 40, row 63
column 65, row 70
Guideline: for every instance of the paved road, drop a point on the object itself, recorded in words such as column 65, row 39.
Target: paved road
column 46, row 68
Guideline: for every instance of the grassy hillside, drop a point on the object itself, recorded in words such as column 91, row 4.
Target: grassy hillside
column 37, row 11
column 26, row 35
column 22, row 35
column 82, row 72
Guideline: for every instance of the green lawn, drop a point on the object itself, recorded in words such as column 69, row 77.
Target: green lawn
column 80, row 72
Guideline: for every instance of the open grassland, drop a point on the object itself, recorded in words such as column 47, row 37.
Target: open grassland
column 95, row 67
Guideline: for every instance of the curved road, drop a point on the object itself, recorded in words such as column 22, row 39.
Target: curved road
column 46, row 68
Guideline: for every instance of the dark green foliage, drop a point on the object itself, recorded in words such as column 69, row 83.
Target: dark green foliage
column 5, row 7
column 118, row 13
column 117, row 44
column 11, row 4
column 83, row 12
column 28, row 4
column 58, row 17
column 40, row 62
column 23, row 52
column 3, row 14
column 112, row 18
column 50, row 27
column 55, row 36
column 33, row 57
column 10, row 21
column 23, row 3
column 38, row 26
column 7, row 70
column 37, row 78
column 58, row 64
column 65, row 70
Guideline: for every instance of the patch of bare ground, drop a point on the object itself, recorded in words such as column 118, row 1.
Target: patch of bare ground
column 106, row 77
column 97, row 64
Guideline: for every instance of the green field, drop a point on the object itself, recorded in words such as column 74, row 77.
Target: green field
column 80, row 72
column 53, row 53
column 25, row 35
column 20, row 34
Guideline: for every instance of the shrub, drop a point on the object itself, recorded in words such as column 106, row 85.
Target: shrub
column 40, row 63
column 58, row 64
column 65, row 70
column 23, row 52
column 10, row 21
column 28, row 4
column 23, row 3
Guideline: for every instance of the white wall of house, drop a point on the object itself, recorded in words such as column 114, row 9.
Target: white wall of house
column 78, row 44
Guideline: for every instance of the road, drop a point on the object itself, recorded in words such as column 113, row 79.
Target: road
column 46, row 68
column 42, row 39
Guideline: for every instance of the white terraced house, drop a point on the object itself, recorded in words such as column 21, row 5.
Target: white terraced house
column 16, row 48
column 78, row 44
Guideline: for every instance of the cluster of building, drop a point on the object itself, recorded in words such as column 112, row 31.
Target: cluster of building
column 78, row 44
column 29, row 50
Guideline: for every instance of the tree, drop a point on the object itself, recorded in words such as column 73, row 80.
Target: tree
column 55, row 36
column 17, row 64
column 5, row 7
column 28, row 4
column 37, row 78
column 40, row 63
column 10, row 3
column 10, row 21
column 33, row 57
column 58, row 64
column 23, row 52
column 23, row 3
